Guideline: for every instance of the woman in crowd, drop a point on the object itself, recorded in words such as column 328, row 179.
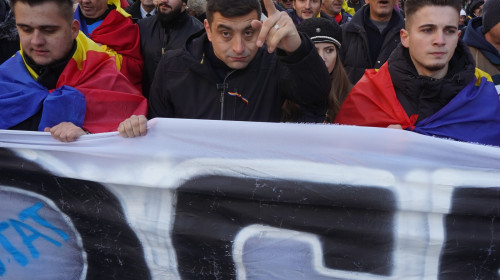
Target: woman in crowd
column 327, row 37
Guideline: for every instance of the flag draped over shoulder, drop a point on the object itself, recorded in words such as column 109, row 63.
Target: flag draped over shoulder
column 118, row 35
column 472, row 116
column 90, row 92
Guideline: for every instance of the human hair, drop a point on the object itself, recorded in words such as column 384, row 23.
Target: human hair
column 232, row 8
column 341, row 86
column 198, row 7
column 65, row 6
column 412, row 6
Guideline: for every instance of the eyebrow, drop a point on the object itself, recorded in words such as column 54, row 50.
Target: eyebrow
column 41, row 26
column 223, row 26
column 435, row 26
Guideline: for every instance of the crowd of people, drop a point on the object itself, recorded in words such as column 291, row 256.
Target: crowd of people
column 89, row 66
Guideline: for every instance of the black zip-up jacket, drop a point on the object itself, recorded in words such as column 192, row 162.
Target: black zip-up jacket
column 355, row 50
column 423, row 95
column 153, row 41
column 193, row 83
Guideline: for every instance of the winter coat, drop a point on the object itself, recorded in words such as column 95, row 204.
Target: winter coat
column 463, row 105
column 189, row 83
column 355, row 50
column 152, row 39
column 484, row 53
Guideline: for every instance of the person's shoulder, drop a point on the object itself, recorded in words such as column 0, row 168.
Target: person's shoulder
column 146, row 22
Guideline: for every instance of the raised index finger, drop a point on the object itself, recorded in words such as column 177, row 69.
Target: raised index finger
column 270, row 8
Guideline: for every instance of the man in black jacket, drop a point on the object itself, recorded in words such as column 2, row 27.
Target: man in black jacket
column 169, row 29
column 370, row 37
column 141, row 9
column 228, row 73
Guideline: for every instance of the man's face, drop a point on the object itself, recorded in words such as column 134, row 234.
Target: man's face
column 493, row 35
column 148, row 3
column 332, row 7
column 93, row 8
column 166, row 7
column 45, row 35
column 431, row 36
column 307, row 8
column 461, row 20
column 233, row 39
column 287, row 4
column 381, row 10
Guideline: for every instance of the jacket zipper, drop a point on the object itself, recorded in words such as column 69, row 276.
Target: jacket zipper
column 223, row 93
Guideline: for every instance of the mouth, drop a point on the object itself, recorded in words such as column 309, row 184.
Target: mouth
column 383, row 3
column 164, row 5
column 40, row 52
column 238, row 58
column 438, row 54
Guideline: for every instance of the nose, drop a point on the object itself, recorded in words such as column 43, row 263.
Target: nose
column 37, row 39
column 238, row 44
column 322, row 55
column 308, row 4
column 439, row 38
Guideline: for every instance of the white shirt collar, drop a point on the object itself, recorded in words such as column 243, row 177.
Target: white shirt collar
column 144, row 13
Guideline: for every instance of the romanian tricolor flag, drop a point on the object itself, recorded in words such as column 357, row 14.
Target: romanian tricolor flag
column 118, row 35
column 90, row 92
column 471, row 116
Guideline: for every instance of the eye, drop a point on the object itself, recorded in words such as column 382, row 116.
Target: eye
column 249, row 33
column 450, row 31
column 225, row 34
column 26, row 29
column 330, row 50
column 49, row 30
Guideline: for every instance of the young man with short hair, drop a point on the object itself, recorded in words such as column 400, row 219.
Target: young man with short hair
column 61, row 81
column 229, row 74
column 430, row 84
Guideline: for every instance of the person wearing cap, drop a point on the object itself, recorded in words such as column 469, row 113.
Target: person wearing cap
column 107, row 23
column 370, row 37
column 483, row 38
column 241, row 69
column 430, row 84
column 327, row 38
column 168, row 29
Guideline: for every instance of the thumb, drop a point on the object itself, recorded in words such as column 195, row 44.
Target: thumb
column 47, row 129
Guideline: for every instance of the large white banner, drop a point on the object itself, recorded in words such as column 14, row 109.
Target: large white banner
column 200, row 199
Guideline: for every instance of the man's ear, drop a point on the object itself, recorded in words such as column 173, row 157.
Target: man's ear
column 75, row 28
column 403, row 33
column 207, row 29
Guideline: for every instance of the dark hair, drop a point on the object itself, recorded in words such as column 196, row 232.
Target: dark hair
column 232, row 8
column 65, row 6
column 341, row 86
column 412, row 6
